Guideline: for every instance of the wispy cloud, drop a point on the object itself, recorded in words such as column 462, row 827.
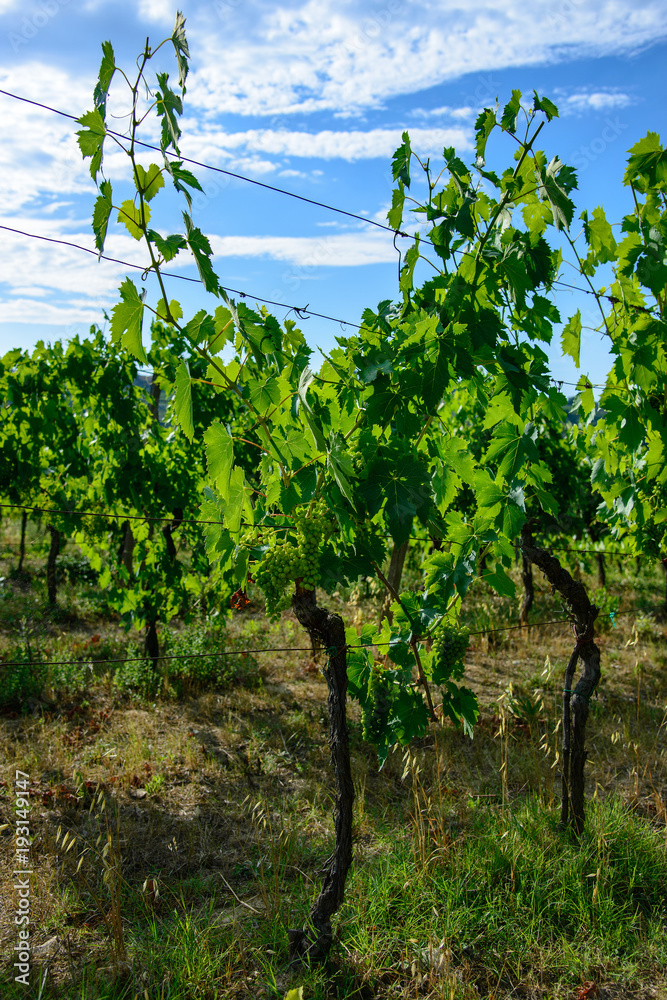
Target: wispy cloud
column 269, row 60
column 48, row 283
column 42, row 160
column 215, row 146
column 319, row 55
column 459, row 114
column 157, row 10
column 582, row 102
column 340, row 250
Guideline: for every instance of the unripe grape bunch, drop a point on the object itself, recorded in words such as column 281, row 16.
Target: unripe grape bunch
column 450, row 642
column 295, row 558
column 375, row 712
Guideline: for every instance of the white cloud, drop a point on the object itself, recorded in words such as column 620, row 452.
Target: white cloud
column 214, row 147
column 157, row 10
column 274, row 58
column 53, row 266
column 582, row 102
column 70, row 287
column 42, row 156
column 343, row 250
column 460, row 114
column 320, row 55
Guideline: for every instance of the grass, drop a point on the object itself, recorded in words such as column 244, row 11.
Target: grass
column 194, row 822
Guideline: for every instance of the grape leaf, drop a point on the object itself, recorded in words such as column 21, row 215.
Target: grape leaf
column 400, row 164
column 168, row 106
column 148, row 182
column 395, row 213
column 182, row 179
column 91, row 139
column 405, row 282
column 168, row 246
column 511, row 113
column 101, row 213
column 647, row 163
column 545, row 105
column 182, row 51
column 126, row 318
column 183, row 401
column 200, row 328
column 174, row 312
column 107, row 70
column 237, row 500
column 264, row 393
column 201, row 251
column 484, row 125
column 133, row 217
column 224, row 329
column 219, row 456
column 555, row 182
column 599, row 236
column 571, row 337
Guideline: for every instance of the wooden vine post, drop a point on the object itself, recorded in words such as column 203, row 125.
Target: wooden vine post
column 313, row 943
column 575, row 700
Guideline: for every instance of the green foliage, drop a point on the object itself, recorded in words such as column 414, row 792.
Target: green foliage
column 76, row 569
column 127, row 315
column 202, row 672
column 137, row 675
column 627, row 437
column 363, row 446
column 25, row 679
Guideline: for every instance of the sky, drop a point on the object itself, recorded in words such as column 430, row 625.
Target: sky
column 311, row 96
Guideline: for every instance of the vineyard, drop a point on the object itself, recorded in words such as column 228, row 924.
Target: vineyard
column 419, row 581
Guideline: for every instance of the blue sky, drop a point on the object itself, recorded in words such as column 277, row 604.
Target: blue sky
column 310, row 96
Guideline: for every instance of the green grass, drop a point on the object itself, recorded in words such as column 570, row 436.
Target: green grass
column 505, row 904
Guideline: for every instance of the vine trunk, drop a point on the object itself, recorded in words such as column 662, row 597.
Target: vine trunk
column 314, row 942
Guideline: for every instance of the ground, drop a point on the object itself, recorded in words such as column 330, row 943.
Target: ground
column 177, row 837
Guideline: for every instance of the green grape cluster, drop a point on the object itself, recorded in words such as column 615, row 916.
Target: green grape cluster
column 450, row 641
column 375, row 712
column 277, row 570
column 295, row 559
column 313, row 529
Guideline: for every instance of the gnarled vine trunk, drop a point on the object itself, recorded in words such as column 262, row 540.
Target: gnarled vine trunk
column 602, row 570
column 528, row 589
column 168, row 532
column 127, row 547
column 54, row 549
column 394, row 574
column 313, row 942
column 152, row 643
column 24, row 524
column 575, row 702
